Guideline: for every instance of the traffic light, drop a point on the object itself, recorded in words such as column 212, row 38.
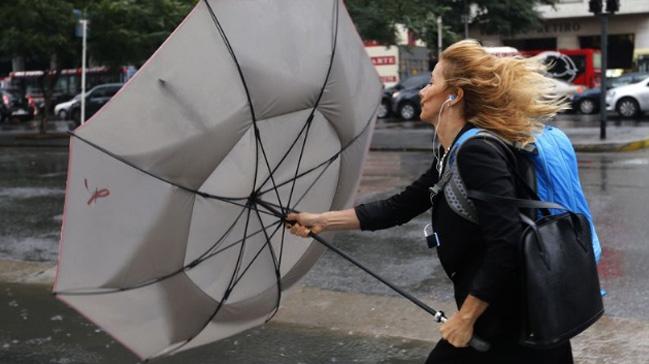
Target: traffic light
column 612, row 6
column 595, row 6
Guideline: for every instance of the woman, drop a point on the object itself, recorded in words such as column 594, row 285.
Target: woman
column 471, row 88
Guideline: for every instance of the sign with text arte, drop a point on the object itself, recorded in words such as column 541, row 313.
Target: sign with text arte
column 386, row 62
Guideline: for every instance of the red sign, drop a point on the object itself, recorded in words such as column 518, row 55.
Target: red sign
column 384, row 60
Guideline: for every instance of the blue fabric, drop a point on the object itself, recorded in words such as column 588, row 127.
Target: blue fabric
column 557, row 177
column 557, row 174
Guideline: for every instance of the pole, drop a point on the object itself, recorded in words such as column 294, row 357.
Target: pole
column 439, row 37
column 475, row 342
column 84, row 27
column 602, row 94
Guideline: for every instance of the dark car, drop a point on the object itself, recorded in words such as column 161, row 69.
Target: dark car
column 14, row 106
column 405, row 100
column 588, row 101
column 97, row 97
column 386, row 103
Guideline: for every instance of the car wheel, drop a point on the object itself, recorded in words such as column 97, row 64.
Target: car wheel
column 407, row 111
column 383, row 110
column 587, row 106
column 627, row 107
column 76, row 116
column 62, row 115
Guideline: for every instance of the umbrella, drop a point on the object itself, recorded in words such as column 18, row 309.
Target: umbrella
column 172, row 235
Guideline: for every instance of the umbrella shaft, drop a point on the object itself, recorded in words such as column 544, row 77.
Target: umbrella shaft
column 403, row 293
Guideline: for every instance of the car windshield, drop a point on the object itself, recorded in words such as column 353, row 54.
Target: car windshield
column 416, row 81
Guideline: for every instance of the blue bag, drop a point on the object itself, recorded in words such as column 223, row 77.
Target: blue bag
column 557, row 176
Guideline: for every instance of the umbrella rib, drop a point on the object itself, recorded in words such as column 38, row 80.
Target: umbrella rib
column 273, row 256
column 162, row 179
column 226, row 41
column 225, row 295
column 309, row 120
column 333, row 158
column 195, row 262
column 252, row 261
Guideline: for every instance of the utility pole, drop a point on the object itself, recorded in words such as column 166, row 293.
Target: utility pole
column 84, row 36
column 595, row 7
column 439, row 37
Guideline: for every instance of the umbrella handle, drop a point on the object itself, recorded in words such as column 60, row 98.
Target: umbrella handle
column 476, row 342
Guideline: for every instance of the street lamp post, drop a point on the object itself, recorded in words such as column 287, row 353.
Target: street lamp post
column 84, row 36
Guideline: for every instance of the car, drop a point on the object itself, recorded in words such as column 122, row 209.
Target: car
column 62, row 110
column 97, row 97
column 629, row 101
column 404, row 101
column 15, row 106
column 588, row 101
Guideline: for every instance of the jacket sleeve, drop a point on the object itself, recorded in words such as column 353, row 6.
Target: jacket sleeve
column 399, row 208
column 484, row 166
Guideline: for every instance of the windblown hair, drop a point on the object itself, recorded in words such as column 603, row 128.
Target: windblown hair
column 507, row 95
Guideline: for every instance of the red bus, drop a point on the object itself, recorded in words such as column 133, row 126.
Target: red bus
column 577, row 66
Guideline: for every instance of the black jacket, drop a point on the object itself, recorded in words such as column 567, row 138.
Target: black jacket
column 480, row 259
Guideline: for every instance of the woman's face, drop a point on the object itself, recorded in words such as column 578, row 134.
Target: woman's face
column 434, row 95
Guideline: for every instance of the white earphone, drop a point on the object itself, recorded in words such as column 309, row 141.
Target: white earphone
column 451, row 98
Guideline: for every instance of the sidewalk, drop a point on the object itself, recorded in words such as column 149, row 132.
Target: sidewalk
column 388, row 136
column 611, row 340
column 397, row 137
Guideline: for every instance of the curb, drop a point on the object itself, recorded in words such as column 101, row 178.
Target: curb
column 35, row 140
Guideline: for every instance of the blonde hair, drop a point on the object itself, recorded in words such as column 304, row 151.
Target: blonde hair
column 507, row 95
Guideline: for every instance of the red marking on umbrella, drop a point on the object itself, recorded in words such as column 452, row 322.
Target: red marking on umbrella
column 97, row 194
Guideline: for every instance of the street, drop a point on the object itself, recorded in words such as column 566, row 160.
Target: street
column 32, row 185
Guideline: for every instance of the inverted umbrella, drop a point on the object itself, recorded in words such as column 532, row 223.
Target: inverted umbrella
column 172, row 235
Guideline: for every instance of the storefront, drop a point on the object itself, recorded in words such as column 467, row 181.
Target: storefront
column 628, row 34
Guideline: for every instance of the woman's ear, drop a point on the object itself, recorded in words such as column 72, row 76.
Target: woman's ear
column 459, row 96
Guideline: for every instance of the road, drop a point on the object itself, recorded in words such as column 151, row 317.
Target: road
column 37, row 329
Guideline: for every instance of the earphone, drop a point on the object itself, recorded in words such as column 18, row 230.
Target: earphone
column 439, row 122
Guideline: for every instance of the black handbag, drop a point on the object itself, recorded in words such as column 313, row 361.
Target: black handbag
column 560, row 285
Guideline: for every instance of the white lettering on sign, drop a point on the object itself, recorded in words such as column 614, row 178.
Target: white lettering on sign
column 384, row 60
column 388, row 79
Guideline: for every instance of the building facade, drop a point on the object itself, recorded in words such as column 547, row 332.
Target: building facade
column 569, row 25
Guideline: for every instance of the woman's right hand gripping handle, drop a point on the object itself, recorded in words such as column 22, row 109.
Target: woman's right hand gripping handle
column 303, row 223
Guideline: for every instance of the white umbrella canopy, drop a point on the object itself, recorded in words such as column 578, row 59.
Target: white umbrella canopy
column 166, row 243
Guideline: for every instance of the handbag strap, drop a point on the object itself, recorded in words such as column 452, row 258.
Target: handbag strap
column 527, row 204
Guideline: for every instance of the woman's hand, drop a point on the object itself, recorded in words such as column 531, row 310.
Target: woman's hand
column 304, row 223
column 457, row 331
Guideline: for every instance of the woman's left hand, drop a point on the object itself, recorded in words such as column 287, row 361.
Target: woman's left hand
column 457, row 331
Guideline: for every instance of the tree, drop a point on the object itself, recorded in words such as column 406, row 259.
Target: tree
column 120, row 32
column 376, row 20
column 39, row 29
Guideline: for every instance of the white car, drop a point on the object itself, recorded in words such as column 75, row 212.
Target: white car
column 630, row 100
column 62, row 110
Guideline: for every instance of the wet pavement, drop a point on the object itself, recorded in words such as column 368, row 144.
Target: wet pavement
column 37, row 329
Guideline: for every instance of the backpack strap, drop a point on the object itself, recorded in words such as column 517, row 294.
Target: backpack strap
column 451, row 183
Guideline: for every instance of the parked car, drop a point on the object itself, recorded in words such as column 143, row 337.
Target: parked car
column 62, row 110
column 404, row 101
column 629, row 101
column 588, row 101
column 15, row 106
column 97, row 97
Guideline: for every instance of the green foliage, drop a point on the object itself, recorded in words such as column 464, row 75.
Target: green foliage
column 129, row 31
column 39, row 29
column 376, row 19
